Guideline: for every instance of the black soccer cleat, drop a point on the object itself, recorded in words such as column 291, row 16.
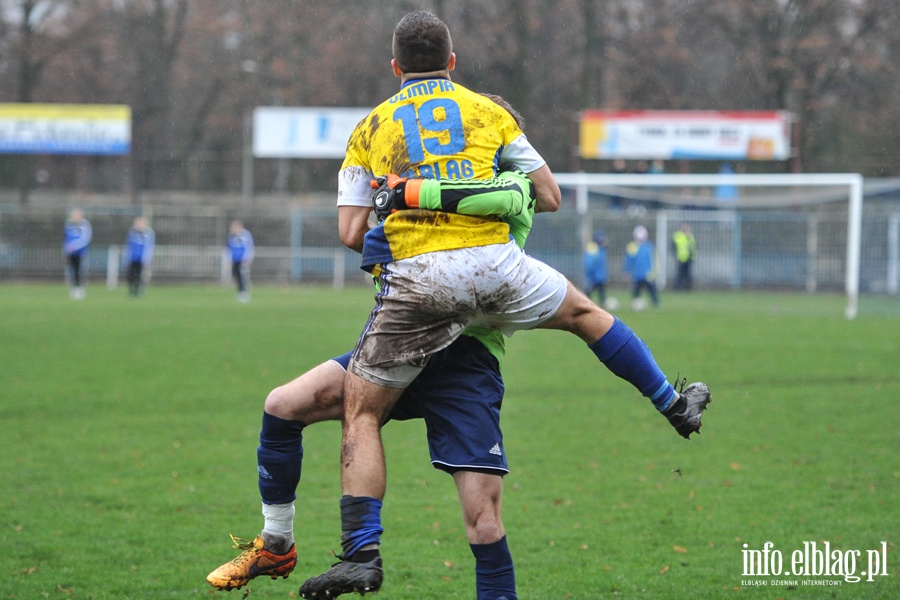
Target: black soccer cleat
column 684, row 414
column 343, row 578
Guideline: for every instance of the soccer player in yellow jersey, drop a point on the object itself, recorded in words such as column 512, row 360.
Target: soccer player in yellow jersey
column 442, row 272
column 458, row 395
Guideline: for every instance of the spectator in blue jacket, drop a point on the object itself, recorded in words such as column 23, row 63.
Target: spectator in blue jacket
column 596, row 270
column 139, row 246
column 640, row 264
column 77, row 238
column 240, row 245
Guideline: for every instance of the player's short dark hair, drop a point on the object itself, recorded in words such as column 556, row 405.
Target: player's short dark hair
column 422, row 43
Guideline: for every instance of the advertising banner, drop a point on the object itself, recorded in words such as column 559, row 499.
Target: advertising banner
column 102, row 129
column 310, row 132
column 698, row 135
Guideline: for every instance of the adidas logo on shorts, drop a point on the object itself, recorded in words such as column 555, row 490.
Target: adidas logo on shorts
column 496, row 450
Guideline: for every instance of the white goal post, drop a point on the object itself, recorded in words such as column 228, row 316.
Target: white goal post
column 583, row 183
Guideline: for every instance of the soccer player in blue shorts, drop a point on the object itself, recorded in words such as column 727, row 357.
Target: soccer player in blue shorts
column 241, row 249
column 443, row 272
column 139, row 245
column 459, row 395
column 77, row 239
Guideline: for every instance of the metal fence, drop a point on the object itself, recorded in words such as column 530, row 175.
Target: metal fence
column 758, row 249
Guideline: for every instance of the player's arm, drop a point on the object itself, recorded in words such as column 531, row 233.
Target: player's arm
column 521, row 155
column 502, row 196
column 520, row 226
column 510, row 195
column 546, row 190
column 88, row 234
column 353, row 224
column 249, row 248
column 85, row 233
column 354, row 204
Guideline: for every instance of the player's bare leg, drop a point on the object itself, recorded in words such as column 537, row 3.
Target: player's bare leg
column 315, row 396
column 480, row 496
column 579, row 315
column 366, row 406
column 363, row 482
column 628, row 357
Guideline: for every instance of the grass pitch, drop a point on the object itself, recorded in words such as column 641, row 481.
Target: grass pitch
column 129, row 430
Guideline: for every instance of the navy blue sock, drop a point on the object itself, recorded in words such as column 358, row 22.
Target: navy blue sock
column 279, row 459
column 495, row 578
column 628, row 357
column 360, row 523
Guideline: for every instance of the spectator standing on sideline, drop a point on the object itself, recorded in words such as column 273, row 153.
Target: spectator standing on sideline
column 139, row 243
column 640, row 264
column 685, row 251
column 240, row 245
column 596, row 268
column 77, row 239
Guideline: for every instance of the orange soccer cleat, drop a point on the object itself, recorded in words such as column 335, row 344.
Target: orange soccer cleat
column 254, row 561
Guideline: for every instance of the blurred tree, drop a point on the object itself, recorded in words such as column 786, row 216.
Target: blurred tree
column 35, row 33
column 151, row 34
column 193, row 71
column 797, row 55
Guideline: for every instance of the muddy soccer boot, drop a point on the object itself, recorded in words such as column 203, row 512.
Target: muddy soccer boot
column 684, row 414
column 343, row 578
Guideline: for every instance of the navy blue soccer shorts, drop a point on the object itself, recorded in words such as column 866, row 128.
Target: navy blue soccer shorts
column 458, row 394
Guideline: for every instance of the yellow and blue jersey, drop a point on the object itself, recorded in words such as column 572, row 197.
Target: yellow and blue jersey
column 639, row 261
column 438, row 129
column 77, row 237
column 139, row 245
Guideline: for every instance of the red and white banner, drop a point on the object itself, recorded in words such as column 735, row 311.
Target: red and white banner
column 685, row 134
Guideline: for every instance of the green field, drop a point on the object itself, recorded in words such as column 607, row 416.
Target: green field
column 129, row 433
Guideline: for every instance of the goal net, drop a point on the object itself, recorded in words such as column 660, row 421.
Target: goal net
column 776, row 231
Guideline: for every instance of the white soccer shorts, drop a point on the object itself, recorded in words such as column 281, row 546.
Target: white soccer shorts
column 426, row 302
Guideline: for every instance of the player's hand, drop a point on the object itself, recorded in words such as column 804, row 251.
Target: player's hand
column 389, row 196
